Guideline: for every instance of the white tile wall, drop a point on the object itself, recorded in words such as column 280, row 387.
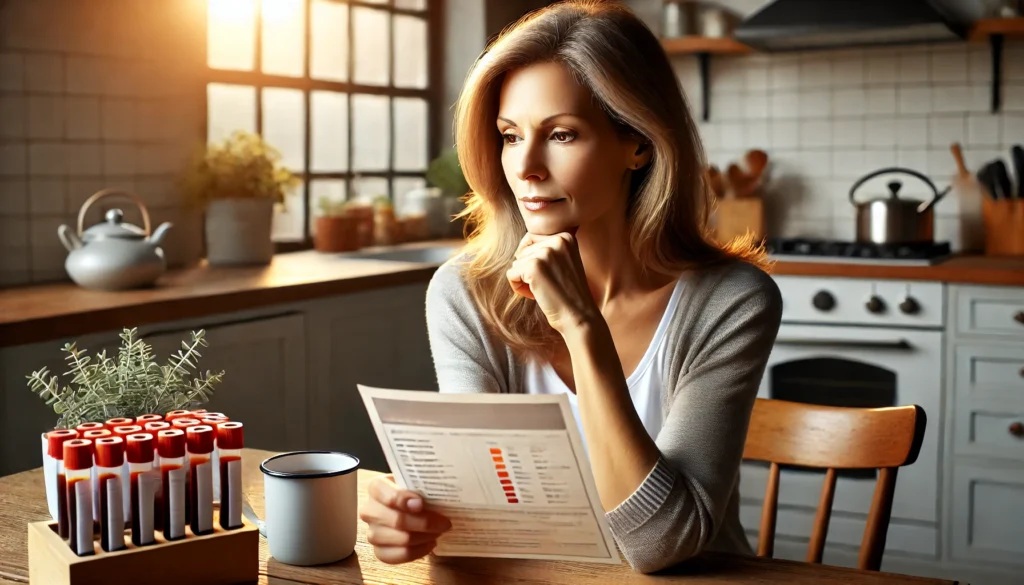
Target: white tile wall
column 827, row 118
column 109, row 95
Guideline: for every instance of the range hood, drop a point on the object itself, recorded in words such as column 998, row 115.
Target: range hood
column 811, row 24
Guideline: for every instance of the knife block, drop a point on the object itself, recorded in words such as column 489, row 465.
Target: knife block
column 737, row 217
column 1004, row 227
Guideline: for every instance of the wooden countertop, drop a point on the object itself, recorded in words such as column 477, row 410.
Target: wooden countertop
column 40, row 313
column 45, row 312
column 24, row 500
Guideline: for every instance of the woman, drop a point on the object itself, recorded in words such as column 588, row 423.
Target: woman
column 589, row 272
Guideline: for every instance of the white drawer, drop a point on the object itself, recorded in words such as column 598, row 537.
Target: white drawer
column 995, row 311
column 988, row 514
column 990, row 432
column 990, row 372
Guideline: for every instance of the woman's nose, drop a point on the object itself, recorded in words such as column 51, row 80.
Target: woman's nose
column 531, row 162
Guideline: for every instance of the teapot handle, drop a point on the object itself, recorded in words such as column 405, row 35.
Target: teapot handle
column 106, row 193
column 935, row 191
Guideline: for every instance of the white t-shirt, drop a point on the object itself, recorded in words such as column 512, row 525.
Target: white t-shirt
column 645, row 383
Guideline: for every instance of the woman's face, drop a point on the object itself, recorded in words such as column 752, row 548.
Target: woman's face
column 563, row 158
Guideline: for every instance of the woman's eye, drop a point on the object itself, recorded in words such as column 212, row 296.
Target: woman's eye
column 511, row 138
column 563, row 136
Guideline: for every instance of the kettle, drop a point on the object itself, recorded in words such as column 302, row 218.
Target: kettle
column 114, row 255
column 893, row 219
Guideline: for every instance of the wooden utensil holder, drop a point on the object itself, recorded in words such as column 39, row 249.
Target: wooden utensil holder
column 219, row 558
column 736, row 217
column 1004, row 227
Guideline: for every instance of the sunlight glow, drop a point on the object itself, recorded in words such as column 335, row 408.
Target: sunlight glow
column 231, row 34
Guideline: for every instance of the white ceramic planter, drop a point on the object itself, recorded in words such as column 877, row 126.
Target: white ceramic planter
column 238, row 231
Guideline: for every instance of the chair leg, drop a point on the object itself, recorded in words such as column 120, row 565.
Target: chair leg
column 873, row 545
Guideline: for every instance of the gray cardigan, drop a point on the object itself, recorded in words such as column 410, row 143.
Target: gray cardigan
column 719, row 342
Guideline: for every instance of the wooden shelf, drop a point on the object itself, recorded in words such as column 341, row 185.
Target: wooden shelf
column 710, row 45
column 986, row 27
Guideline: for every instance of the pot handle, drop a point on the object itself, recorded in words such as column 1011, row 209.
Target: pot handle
column 107, row 193
column 924, row 206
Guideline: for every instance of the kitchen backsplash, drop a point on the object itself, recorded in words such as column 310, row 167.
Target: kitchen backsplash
column 108, row 94
column 827, row 118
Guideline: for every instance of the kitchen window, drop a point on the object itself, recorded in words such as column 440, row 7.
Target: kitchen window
column 344, row 89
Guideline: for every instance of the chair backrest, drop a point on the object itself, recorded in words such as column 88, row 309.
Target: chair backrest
column 831, row 438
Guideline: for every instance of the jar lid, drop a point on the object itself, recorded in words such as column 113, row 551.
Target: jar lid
column 114, row 227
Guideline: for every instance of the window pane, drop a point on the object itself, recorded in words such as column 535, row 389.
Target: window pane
column 371, row 132
column 369, row 188
column 288, row 220
column 231, row 34
column 229, row 108
column 371, row 45
column 284, row 27
column 329, row 45
column 331, row 190
column 284, row 125
column 410, row 51
column 330, row 131
column 376, row 1
column 410, row 134
column 411, row 4
column 400, row 187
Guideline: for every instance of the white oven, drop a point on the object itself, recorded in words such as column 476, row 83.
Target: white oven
column 854, row 342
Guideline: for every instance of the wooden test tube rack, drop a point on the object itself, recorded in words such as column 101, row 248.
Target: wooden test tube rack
column 219, row 558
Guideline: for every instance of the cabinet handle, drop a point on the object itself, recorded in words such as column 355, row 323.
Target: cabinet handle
column 1017, row 429
column 1019, row 317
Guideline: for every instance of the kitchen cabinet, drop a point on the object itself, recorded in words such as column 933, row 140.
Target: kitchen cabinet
column 375, row 338
column 988, row 514
column 290, row 371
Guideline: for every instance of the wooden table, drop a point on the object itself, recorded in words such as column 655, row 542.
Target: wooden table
column 22, row 500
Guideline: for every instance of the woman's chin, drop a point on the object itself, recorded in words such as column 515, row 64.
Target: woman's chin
column 547, row 226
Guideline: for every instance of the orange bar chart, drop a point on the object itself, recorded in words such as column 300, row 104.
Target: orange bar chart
column 503, row 476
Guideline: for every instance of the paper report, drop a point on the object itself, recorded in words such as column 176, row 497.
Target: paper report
column 509, row 471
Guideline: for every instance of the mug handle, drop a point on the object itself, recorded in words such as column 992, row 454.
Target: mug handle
column 250, row 515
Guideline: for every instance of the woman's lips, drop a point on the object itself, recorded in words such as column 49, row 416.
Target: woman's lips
column 537, row 204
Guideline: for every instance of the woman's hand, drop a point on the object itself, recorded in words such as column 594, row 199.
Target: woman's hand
column 400, row 530
column 549, row 270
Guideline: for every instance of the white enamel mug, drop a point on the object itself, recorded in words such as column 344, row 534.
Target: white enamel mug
column 311, row 501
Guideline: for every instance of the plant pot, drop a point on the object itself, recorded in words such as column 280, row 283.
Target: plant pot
column 337, row 234
column 238, row 231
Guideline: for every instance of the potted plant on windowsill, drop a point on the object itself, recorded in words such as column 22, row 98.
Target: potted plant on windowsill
column 238, row 182
column 337, row 227
column 445, row 173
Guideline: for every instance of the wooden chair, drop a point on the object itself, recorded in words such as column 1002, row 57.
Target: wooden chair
column 831, row 438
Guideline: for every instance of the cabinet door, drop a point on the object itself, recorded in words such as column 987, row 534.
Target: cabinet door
column 991, row 311
column 264, row 386
column 988, row 519
column 376, row 338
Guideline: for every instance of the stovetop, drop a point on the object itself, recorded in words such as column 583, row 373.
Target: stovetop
column 817, row 250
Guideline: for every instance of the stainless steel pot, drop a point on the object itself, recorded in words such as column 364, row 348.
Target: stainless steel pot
column 894, row 220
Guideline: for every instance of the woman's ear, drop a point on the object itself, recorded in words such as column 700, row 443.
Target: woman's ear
column 642, row 155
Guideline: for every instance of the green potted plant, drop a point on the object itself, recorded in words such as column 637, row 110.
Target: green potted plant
column 337, row 228
column 445, row 174
column 238, row 182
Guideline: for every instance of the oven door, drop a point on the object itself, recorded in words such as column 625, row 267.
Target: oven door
column 863, row 367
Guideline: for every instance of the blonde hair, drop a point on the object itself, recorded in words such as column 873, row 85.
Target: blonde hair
column 612, row 53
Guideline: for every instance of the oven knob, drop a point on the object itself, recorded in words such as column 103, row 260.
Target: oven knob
column 910, row 306
column 875, row 305
column 824, row 301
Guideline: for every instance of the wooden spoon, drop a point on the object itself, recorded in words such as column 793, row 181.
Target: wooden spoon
column 757, row 162
column 716, row 181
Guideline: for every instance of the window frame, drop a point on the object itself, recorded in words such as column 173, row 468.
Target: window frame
column 256, row 79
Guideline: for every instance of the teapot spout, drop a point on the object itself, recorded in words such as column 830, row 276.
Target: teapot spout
column 159, row 233
column 69, row 238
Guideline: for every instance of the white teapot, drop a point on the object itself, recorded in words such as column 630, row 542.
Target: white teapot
column 113, row 255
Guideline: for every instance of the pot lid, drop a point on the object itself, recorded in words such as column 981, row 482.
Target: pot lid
column 114, row 228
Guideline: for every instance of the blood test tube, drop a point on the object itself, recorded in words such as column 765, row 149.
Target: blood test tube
column 142, row 419
column 183, row 422
column 90, row 426
column 199, row 449
column 93, row 435
column 78, row 467
column 109, row 463
column 119, row 422
column 177, row 414
column 230, row 440
column 174, row 482
column 55, row 448
column 143, row 487
column 124, row 432
column 213, row 419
